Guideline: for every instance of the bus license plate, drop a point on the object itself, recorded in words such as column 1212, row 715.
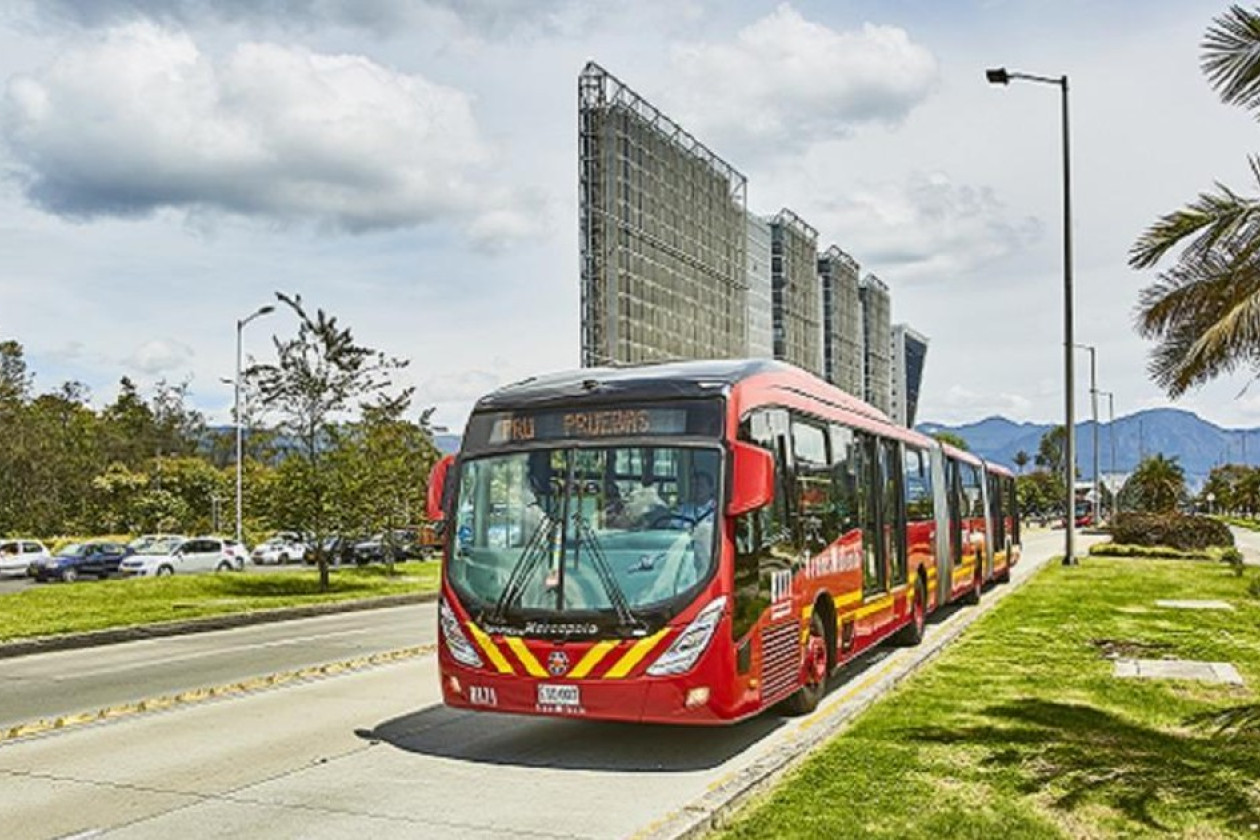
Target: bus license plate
column 559, row 695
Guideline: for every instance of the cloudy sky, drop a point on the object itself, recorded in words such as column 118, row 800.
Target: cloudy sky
column 410, row 166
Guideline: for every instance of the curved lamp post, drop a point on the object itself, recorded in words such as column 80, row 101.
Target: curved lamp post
column 236, row 411
column 1002, row 76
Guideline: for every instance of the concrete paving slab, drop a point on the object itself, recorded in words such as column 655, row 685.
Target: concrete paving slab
column 1195, row 605
column 1177, row 669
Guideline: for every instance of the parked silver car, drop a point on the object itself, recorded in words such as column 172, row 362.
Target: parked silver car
column 199, row 554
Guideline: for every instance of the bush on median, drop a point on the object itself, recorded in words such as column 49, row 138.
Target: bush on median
column 1173, row 530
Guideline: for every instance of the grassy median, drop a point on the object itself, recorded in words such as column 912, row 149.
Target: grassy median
column 1020, row 729
column 52, row 608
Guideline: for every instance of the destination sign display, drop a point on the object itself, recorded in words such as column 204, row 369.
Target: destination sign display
column 691, row 418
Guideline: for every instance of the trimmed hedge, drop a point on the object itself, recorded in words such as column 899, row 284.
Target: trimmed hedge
column 1176, row 530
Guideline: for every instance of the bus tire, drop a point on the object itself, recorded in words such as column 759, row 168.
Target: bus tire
column 912, row 634
column 814, row 669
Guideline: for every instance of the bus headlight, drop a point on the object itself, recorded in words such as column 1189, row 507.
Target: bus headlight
column 692, row 642
column 456, row 642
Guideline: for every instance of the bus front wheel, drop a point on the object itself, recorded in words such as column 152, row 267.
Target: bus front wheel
column 813, row 671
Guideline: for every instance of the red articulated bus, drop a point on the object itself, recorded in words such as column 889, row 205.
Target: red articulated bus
column 695, row 542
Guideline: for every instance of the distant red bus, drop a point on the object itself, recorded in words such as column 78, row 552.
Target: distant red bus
column 695, row 542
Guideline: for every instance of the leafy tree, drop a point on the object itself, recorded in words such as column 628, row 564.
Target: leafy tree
column 15, row 382
column 1021, row 459
column 61, row 455
column 1040, row 493
column 1158, row 485
column 1052, row 450
column 392, row 457
column 1204, row 312
column 953, row 440
column 320, row 374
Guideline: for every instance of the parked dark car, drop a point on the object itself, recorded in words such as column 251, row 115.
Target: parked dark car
column 98, row 559
column 339, row 550
column 414, row 543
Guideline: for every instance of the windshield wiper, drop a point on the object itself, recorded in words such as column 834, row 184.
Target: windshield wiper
column 604, row 571
column 531, row 555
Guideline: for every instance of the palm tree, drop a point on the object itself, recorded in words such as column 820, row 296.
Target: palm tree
column 1157, row 485
column 1021, row 460
column 1204, row 313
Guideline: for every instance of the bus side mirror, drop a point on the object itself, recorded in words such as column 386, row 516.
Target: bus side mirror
column 437, row 488
column 752, row 478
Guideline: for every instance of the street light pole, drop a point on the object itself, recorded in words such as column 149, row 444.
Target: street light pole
column 1093, row 410
column 1001, row 76
column 236, row 414
column 1111, row 437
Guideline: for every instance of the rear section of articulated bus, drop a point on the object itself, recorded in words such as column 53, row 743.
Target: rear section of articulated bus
column 584, row 569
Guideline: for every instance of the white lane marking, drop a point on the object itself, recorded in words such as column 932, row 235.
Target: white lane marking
column 221, row 651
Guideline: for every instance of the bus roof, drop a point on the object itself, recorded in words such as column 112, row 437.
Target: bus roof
column 671, row 380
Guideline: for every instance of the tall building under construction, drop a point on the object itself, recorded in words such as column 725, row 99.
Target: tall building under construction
column 844, row 353
column 797, row 302
column 674, row 266
column 663, row 234
column 760, row 289
column 877, row 342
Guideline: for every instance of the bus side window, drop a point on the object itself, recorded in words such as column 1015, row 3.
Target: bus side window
column 866, row 468
column 813, row 486
column 919, row 506
column 847, row 501
column 997, row 503
column 892, row 505
column 763, row 541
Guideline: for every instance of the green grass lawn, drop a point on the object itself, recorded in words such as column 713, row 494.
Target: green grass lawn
column 1019, row 729
column 52, row 608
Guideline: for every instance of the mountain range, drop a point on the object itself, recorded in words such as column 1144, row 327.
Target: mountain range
column 1197, row 444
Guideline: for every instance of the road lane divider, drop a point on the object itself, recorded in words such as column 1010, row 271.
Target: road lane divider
column 200, row 695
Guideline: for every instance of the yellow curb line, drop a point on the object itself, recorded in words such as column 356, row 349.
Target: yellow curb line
column 197, row 695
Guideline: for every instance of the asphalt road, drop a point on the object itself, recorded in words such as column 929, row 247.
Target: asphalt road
column 53, row 684
column 1248, row 542
column 374, row 752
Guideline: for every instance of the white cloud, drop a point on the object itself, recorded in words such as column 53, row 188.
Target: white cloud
column 140, row 119
column 926, row 227
column 161, row 356
column 786, row 82
column 380, row 17
column 456, row 387
column 962, row 404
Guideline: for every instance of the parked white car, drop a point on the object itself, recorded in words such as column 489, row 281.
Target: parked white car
column 156, row 543
column 16, row 556
column 199, row 554
column 282, row 548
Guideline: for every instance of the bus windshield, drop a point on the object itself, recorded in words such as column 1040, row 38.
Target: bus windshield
column 607, row 534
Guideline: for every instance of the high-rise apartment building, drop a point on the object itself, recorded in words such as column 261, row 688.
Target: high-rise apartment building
column 663, row 230
column 843, row 350
column 797, row 302
column 877, row 338
column 909, row 354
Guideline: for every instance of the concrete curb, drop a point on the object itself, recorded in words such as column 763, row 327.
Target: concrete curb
column 711, row 811
column 95, row 638
column 198, row 695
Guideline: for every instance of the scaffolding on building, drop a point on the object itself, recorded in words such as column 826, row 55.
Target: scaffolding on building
column 877, row 336
column 797, row 299
column 760, row 289
column 843, row 351
column 663, row 234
